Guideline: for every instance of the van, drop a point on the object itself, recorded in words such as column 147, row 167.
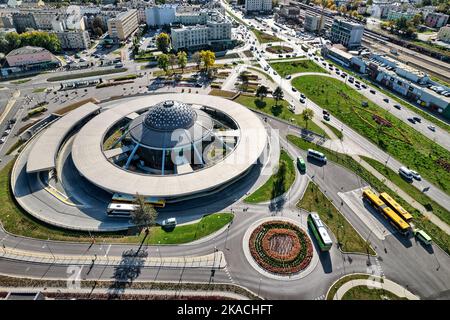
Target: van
column 317, row 155
column 405, row 173
column 170, row 222
column 423, row 237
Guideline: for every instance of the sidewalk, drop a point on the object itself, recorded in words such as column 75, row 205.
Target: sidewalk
column 214, row 260
column 387, row 285
column 433, row 218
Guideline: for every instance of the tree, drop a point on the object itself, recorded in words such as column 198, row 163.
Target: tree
column 261, row 92
column 172, row 60
column 307, row 115
column 163, row 42
column 97, row 23
column 163, row 62
column 144, row 215
column 278, row 95
column 417, row 19
column 182, row 60
column 208, row 58
column 197, row 59
column 243, row 77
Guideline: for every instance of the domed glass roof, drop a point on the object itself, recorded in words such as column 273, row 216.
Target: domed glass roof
column 169, row 116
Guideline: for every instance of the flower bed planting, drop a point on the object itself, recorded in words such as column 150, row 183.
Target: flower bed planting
column 281, row 247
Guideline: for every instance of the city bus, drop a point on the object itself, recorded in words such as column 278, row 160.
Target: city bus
column 317, row 155
column 395, row 206
column 301, row 165
column 126, row 198
column 423, row 236
column 386, row 211
column 120, row 210
column 320, row 232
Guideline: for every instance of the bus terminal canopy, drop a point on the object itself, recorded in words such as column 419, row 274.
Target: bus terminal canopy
column 43, row 154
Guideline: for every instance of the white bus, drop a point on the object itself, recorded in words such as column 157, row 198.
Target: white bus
column 317, row 155
column 120, row 210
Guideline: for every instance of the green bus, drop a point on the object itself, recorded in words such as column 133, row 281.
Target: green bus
column 320, row 232
column 301, row 165
column 422, row 236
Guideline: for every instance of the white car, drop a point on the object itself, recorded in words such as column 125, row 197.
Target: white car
column 416, row 175
column 169, row 222
column 2, row 140
column 432, row 128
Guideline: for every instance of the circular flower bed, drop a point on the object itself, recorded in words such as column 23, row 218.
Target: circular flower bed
column 281, row 247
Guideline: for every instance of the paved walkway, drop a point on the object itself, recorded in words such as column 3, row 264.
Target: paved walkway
column 214, row 260
column 387, row 285
column 177, row 293
column 430, row 215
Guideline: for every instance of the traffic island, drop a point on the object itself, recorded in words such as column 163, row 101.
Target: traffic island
column 279, row 248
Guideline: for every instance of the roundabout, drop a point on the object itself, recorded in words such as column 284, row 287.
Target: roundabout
column 280, row 248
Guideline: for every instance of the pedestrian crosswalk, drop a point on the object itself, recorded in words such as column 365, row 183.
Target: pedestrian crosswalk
column 322, row 297
column 229, row 274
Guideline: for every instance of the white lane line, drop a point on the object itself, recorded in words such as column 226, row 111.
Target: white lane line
column 107, row 250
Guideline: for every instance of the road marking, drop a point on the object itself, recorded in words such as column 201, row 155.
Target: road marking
column 322, row 297
column 107, row 250
column 229, row 275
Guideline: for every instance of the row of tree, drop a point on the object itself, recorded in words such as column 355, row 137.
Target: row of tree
column 206, row 58
column 13, row 40
column 262, row 92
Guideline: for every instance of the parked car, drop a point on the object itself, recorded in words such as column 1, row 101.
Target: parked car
column 2, row 140
column 302, row 96
column 302, row 100
column 288, row 77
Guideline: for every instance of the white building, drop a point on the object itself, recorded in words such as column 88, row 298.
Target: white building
column 313, row 22
column 74, row 40
column 346, row 33
column 160, row 15
column 258, row 6
column 216, row 31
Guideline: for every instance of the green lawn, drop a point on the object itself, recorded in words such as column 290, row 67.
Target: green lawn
column 279, row 49
column 416, row 194
column 350, row 241
column 20, row 81
column 280, row 111
column 366, row 293
column 18, row 222
column 393, row 96
column 265, row 37
column 400, row 140
column 291, row 67
column 340, row 282
column 71, row 76
column 439, row 237
column 278, row 184
column 39, row 90
column 336, row 131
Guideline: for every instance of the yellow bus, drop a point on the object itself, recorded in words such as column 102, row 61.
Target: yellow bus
column 126, row 198
column 395, row 206
column 395, row 220
column 386, row 211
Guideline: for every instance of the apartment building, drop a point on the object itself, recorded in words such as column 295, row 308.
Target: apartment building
column 74, row 40
column 122, row 26
column 313, row 23
column 347, row 33
column 253, row 6
column 436, row 20
column 444, row 34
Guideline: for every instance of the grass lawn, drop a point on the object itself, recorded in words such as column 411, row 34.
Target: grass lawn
column 20, row 81
column 291, row 67
column 439, row 237
column 346, row 235
column 396, row 138
column 336, row 131
column 366, row 293
column 16, row 145
column 416, row 194
column 70, row 76
column 341, row 281
column 265, row 37
column 17, row 222
column 278, row 184
column 222, row 93
column 39, row 90
column 281, row 111
column 393, row 96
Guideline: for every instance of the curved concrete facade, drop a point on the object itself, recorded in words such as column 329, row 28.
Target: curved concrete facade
column 92, row 163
